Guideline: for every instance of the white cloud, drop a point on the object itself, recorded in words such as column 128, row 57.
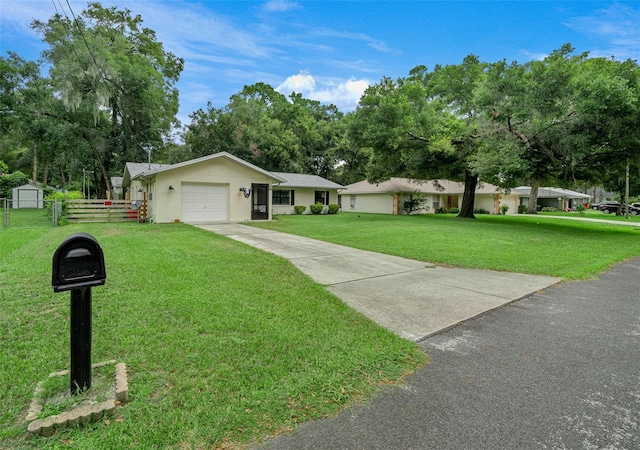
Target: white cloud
column 375, row 44
column 345, row 94
column 534, row 56
column 619, row 26
column 280, row 6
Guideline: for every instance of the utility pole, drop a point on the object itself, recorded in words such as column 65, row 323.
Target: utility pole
column 626, row 191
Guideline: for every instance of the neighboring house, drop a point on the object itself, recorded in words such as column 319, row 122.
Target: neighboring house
column 559, row 198
column 27, row 196
column 301, row 189
column 388, row 197
column 220, row 187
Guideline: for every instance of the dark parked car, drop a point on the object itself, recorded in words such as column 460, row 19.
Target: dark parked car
column 612, row 207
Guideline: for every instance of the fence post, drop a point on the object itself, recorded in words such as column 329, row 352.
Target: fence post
column 5, row 212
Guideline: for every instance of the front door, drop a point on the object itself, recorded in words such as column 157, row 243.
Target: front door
column 260, row 201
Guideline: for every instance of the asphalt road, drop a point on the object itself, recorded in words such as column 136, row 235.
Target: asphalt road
column 559, row 369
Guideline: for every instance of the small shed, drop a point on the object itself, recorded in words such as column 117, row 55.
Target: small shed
column 27, row 196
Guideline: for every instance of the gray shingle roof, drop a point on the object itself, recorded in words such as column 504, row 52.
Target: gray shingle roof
column 550, row 192
column 301, row 180
column 394, row 185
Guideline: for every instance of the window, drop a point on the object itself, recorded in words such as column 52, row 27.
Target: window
column 352, row 199
column 282, row 197
column 322, row 197
column 436, row 203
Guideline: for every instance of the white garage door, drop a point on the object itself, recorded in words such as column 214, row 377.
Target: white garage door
column 205, row 202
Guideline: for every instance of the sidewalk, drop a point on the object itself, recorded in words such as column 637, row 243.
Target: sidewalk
column 412, row 298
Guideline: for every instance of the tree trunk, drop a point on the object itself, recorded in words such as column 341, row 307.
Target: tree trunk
column 469, row 196
column 533, row 198
column 46, row 173
column 35, row 163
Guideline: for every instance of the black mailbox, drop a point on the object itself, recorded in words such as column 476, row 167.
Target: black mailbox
column 78, row 263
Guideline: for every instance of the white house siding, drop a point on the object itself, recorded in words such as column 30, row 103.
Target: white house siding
column 381, row 203
column 305, row 197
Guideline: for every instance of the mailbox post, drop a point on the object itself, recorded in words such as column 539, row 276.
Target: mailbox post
column 78, row 265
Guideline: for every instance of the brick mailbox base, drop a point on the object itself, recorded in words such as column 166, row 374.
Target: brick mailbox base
column 86, row 413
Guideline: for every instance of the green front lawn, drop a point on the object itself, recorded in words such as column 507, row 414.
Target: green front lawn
column 224, row 343
column 518, row 243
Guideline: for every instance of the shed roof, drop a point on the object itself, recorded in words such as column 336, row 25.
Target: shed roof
column 301, row 180
column 28, row 187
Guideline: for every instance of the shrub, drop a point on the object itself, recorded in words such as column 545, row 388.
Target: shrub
column 414, row 201
column 333, row 209
column 61, row 197
column 581, row 209
column 440, row 210
column 549, row 209
column 481, row 211
column 317, row 208
column 453, row 210
column 522, row 209
column 299, row 209
column 504, row 209
column 11, row 180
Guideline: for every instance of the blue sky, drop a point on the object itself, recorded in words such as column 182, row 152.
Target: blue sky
column 332, row 50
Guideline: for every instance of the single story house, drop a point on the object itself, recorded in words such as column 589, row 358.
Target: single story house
column 27, row 196
column 388, row 197
column 559, row 198
column 220, row 187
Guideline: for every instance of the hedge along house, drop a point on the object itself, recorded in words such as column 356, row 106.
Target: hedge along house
column 213, row 188
column 388, row 197
column 304, row 190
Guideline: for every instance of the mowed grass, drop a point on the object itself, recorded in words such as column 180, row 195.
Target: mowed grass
column 224, row 344
column 569, row 249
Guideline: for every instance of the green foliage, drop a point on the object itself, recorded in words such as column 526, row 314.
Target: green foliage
column 262, row 126
column 581, row 209
column 414, row 202
column 10, row 181
column 114, row 82
column 61, row 197
column 504, row 209
column 481, row 211
column 440, row 210
column 453, row 210
column 333, row 209
column 316, row 208
column 522, row 209
column 299, row 209
column 549, row 209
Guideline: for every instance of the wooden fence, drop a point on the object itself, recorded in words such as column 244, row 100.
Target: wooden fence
column 106, row 211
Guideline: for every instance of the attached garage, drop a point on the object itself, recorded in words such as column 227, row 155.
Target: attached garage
column 204, row 202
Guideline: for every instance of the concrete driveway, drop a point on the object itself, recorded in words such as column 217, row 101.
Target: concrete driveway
column 412, row 298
